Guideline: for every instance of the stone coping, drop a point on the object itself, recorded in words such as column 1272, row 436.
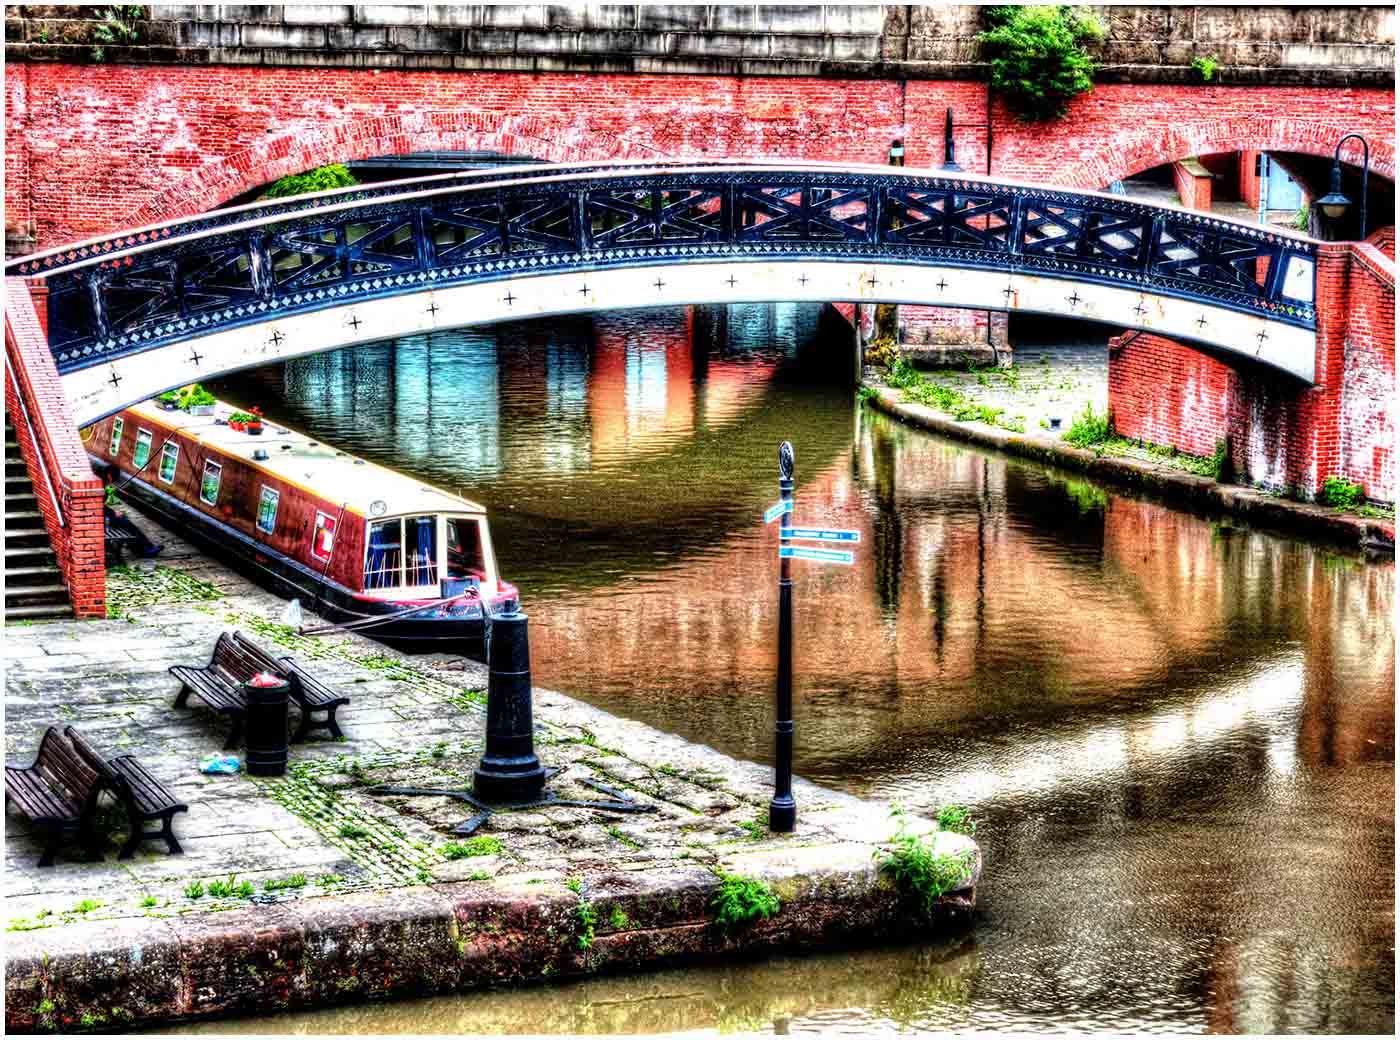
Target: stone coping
column 1201, row 492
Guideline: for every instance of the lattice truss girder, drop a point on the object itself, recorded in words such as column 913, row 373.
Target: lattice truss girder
column 300, row 260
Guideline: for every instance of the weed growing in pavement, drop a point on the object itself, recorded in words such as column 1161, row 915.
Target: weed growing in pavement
column 919, row 870
column 957, row 819
column 194, row 890
column 742, row 900
column 483, row 845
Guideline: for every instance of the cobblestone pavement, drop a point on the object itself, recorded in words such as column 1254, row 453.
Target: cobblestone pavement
column 416, row 720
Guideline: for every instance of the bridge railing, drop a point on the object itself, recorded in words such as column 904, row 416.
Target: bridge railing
column 116, row 297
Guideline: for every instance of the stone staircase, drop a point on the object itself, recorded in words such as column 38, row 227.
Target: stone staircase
column 34, row 586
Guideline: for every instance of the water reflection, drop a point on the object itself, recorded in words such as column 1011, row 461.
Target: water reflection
column 1177, row 733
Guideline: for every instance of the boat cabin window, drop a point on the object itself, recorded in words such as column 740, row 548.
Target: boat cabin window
column 116, row 444
column 142, row 454
column 420, row 558
column 323, row 536
column 408, row 551
column 169, row 459
column 384, row 556
column 209, row 486
column 267, row 510
column 465, row 558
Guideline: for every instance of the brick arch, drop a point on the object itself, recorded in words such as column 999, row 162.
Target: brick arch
column 1131, row 151
column 307, row 147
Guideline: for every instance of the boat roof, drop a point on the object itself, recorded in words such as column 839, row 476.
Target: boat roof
column 318, row 468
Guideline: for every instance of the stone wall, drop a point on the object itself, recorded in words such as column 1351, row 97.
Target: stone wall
column 1144, row 44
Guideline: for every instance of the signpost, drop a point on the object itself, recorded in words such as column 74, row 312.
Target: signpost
column 782, row 810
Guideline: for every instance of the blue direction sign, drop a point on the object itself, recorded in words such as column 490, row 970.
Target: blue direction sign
column 818, row 534
column 775, row 511
column 798, row 552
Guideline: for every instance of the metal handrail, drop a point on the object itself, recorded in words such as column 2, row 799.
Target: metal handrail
column 547, row 174
column 33, row 440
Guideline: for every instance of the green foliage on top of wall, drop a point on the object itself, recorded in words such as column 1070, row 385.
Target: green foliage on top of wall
column 1038, row 61
column 323, row 178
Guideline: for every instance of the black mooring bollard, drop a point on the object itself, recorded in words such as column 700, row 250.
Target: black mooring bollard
column 509, row 770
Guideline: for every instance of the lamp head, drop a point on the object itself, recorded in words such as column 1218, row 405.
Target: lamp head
column 1334, row 204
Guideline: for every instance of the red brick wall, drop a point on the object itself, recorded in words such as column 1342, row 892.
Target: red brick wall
column 78, row 538
column 919, row 324
column 1194, row 188
column 1384, row 240
column 1282, row 435
column 106, row 147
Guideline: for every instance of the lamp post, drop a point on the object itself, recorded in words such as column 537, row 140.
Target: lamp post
column 1334, row 204
column 782, row 810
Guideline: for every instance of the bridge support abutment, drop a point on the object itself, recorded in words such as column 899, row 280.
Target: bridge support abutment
column 1282, row 435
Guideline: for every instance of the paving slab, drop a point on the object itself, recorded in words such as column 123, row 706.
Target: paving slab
column 308, row 888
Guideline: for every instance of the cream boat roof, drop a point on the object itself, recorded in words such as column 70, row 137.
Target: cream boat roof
column 297, row 459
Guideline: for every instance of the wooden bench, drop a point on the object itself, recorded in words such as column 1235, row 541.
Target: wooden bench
column 141, row 794
column 220, row 683
column 58, row 793
column 309, row 692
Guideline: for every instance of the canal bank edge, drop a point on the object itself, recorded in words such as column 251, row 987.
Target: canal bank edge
column 433, row 939
column 1201, row 492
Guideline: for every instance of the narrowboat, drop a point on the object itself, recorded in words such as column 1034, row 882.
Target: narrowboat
column 357, row 543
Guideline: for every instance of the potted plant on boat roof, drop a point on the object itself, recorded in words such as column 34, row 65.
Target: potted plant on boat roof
column 254, row 421
column 170, row 400
column 238, row 420
column 198, row 401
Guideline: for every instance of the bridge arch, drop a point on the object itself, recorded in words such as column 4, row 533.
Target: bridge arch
column 1130, row 151
column 132, row 315
column 305, row 147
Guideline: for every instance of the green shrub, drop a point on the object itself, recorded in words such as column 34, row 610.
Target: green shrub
column 323, row 178
column 883, row 351
column 1221, row 467
column 957, row 819
column 1303, row 217
column 918, row 870
column 587, row 923
column 1206, row 66
column 741, row 900
column 1038, row 63
column 1089, row 429
column 1342, row 494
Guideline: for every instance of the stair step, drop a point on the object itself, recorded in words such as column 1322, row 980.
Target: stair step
column 24, row 514
column 12, row 500
column 43, row 610
column 31, row 554
column 34, row 590
column 19, row 572
column 17, row 479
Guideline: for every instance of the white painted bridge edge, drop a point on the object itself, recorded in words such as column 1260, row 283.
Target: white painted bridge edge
column 96, row 392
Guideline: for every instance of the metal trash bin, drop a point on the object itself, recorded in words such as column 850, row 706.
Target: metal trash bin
column 267, row 724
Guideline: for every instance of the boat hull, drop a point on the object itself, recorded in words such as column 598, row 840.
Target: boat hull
column 408, row 632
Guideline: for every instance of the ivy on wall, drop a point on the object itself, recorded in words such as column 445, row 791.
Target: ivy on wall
column 323, row 178
column 1037, row 56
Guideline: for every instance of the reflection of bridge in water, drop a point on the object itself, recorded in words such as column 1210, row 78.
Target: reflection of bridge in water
column 599, row 411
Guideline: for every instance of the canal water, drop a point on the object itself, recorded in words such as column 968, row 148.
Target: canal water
column 1176, row 733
